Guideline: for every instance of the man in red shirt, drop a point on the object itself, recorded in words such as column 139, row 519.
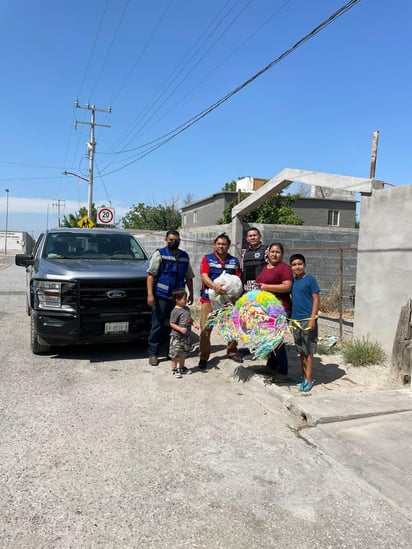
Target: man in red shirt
column 212, row 266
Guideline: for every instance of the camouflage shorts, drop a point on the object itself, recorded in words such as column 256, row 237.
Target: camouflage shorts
column 179, row 346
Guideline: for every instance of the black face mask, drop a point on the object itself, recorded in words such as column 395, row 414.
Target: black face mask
column 173, row 245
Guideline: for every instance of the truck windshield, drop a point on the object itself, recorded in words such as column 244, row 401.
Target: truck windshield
column 93, row 246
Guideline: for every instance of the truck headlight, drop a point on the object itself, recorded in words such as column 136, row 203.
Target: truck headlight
column 48, row 294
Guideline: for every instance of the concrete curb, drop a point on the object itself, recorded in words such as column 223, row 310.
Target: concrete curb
column 321, row 409
column 346, row 406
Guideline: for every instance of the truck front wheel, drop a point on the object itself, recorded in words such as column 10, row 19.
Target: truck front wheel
column 38, row 347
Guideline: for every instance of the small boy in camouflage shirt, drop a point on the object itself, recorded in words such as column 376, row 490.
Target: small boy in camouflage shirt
column 181, row 324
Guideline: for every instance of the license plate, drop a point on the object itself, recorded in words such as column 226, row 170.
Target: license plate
column 116, row 327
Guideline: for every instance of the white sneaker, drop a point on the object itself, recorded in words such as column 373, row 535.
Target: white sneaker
column 176, row 373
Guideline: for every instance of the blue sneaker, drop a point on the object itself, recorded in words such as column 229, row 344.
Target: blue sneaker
column 305, row 386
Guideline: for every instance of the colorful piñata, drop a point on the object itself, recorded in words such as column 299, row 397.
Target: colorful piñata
column 257, row 318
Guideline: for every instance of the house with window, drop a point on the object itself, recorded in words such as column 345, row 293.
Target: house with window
column 322, row 208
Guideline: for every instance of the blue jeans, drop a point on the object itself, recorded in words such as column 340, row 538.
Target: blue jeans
column 160, row 330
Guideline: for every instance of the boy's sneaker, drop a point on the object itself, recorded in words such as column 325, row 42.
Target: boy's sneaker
column 306, row 386
column 185, row 371
column 176, row 373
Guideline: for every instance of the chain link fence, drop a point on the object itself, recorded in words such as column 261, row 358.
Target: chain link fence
column 334, row 268
column 335, row 271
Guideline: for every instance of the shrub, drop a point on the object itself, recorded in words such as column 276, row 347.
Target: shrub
column 361, row 352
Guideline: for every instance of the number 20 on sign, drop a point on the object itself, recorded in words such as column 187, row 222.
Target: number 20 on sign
column 105, row 216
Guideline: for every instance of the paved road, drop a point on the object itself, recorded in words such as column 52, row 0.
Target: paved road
column 100, row 450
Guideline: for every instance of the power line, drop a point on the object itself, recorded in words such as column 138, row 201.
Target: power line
column 141, row 53
column 27, row 165
column 86, row 70
column 193, row 67
column 143, row 50
column 207, row 76
column 103, row 184
column 85, row 73
column 201, row 81
column 150, row 104
column 109, row 49
column 179, row 129
column 116, row 32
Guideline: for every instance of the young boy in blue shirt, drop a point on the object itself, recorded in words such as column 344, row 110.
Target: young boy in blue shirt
column 305, row 308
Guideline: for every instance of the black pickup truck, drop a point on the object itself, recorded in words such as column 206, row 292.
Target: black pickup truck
column 86, row 286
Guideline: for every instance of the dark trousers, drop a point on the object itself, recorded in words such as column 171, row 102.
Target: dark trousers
column 160, row 331
column 278, row 360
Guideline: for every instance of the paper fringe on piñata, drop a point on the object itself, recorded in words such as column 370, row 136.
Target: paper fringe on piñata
column 257, row 318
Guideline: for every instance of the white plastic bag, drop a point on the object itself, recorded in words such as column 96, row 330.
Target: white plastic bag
column 233, row 286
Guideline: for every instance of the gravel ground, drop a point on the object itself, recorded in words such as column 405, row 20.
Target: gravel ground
column 330, row 374
column 100, row 450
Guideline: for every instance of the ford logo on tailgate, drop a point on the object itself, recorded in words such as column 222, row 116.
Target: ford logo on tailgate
column 116, row 294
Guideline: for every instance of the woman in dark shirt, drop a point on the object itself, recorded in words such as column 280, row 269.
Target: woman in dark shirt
column 277, row 277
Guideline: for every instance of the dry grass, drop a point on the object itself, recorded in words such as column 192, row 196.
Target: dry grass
column 361, row 352
column 330, row 302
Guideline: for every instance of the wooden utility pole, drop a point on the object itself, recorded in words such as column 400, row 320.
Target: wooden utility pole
column 374, row 154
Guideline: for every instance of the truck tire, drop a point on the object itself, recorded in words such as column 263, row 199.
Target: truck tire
column 38, row 347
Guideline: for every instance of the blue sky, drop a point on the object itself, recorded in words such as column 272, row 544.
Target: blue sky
column 158, row 63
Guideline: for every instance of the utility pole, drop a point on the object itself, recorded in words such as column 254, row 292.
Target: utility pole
column 374, row 155
column 7, row 220
column 91, row 146
column 59, row 204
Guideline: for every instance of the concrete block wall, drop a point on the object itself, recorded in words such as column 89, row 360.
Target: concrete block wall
column 321, row 248
column 314, row 242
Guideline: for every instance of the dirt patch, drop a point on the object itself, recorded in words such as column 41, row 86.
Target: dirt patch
column 331, row 374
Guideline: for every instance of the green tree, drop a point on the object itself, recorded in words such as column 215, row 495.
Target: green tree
column 71, row 219
column 277, row 210
column 160, row 217
column 229, row 186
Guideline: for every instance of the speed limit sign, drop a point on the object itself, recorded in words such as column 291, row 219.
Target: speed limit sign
column 105, row 216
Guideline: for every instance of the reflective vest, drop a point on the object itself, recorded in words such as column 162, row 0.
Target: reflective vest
column 172, row 272
column 253, row 263
column 230, row 266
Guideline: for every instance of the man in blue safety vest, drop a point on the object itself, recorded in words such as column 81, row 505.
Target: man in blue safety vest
column 169, row 270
